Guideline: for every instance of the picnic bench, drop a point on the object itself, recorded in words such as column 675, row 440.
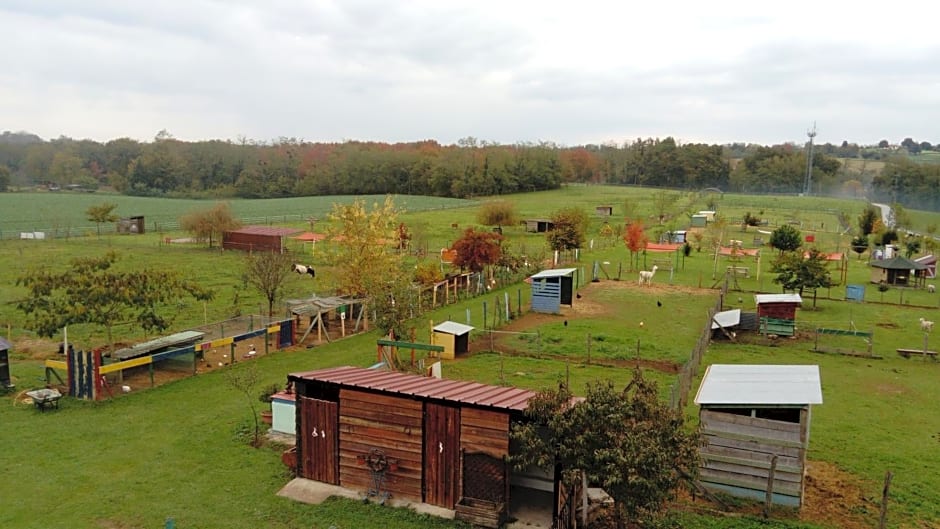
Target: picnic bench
column 45, row 398
column 907, row 353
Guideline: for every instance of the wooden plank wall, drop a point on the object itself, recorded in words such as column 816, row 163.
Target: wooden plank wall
column 484, row 431
column 739, row 451
column 392, row 424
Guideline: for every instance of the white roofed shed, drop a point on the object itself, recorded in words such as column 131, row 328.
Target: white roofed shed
column 755, row 418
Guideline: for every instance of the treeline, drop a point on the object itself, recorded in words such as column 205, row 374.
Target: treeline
column 288, row 167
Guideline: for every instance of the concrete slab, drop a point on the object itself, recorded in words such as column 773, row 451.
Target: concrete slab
column 315, row 492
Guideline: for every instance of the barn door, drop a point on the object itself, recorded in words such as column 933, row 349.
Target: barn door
column 441, row 454
column 319, row 442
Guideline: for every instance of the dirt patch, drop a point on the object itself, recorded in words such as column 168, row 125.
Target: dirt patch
column 835, row 498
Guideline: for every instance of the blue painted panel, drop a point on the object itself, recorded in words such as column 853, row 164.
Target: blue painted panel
column 546, row 297
column 759, row 495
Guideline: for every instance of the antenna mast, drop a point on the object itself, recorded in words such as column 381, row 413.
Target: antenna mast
column 808, row 184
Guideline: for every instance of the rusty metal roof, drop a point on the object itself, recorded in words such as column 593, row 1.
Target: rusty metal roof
column 265, row 230
column 466, row 392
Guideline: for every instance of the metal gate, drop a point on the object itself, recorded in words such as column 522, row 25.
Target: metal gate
column 319, row 446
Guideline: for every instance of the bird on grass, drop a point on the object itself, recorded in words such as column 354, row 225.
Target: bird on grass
column 659, row 303
column 578, row 295
column 566, row 323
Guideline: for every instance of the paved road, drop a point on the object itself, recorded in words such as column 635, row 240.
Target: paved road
column 885, row 214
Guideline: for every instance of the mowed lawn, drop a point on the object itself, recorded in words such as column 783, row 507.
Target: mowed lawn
column 179, row 451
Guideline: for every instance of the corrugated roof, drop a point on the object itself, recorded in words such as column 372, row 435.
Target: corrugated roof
column 728, row 318
column 180, row 338
column 777, row 298
column 452, row 327
column 554, row 273
column 760, row 384
column 265, row 230
column 501, row 397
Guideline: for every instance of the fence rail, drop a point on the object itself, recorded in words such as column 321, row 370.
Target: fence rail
column 689, row 370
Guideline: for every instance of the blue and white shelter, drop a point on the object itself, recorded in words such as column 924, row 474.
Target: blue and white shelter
column 551, row 289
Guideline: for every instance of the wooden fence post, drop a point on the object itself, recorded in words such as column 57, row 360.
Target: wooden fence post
column 884, row 500
column 768, row 499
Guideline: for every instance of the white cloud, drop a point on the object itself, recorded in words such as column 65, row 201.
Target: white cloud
column 501, row 71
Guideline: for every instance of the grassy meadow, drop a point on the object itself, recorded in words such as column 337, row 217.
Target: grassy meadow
column 180, row 450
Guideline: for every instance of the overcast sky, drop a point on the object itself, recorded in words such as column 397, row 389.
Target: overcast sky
column 504, row 71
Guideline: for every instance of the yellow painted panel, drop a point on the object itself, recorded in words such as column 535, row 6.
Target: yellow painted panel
column 274, row 329
column 134, row 362
column 56, row 364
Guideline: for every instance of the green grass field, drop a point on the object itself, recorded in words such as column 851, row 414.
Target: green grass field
column 179, row 450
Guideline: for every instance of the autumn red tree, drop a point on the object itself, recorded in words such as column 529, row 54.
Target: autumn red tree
column 635, row 238
column 477, row 249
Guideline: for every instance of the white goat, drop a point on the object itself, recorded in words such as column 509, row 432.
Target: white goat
column 931, row 288
column 646, row 276
column 926, row 325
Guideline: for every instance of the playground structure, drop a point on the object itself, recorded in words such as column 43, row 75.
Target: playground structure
column 88, row 377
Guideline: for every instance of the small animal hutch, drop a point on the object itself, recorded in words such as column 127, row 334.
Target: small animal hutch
column 256, row 239
column 437, row 441
column 454, row 337
column 604, row 211
column 6, row 381
column 538, row 225
column 132, row 225
column 777, row 313
column 551, row 289
column 755, row 421
column 900, row 271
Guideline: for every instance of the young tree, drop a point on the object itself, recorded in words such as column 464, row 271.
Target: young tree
column 101, row 213
column 209, row 224
column 866, row 221
column 798, row 272
column 244, row 379
column 635, row 238
column 860, row 244
column 359, row 248
column 570, row 227
column 786, row 238
column 631, row 444
column 497, row 213
column 268, row 273
column 477, row 249
column 92, row 292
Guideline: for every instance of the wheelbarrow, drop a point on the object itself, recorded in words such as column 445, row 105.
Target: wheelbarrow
column 45, row 398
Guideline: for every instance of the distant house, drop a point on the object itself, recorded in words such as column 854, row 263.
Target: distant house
column 538, row 225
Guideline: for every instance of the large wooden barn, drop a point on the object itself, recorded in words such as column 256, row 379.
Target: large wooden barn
column 437, row 441
column 755, row 421
column 256, row 238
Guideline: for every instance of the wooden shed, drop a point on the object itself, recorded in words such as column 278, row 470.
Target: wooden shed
column 551, row 289
column 257, row 238
column 437, row 441
column 778, row 306
column 131, row 225
column 755, row 421
column 454, row 337
column 538, row 225
column 930, row 261
column 898, row 270
column 604, row 211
